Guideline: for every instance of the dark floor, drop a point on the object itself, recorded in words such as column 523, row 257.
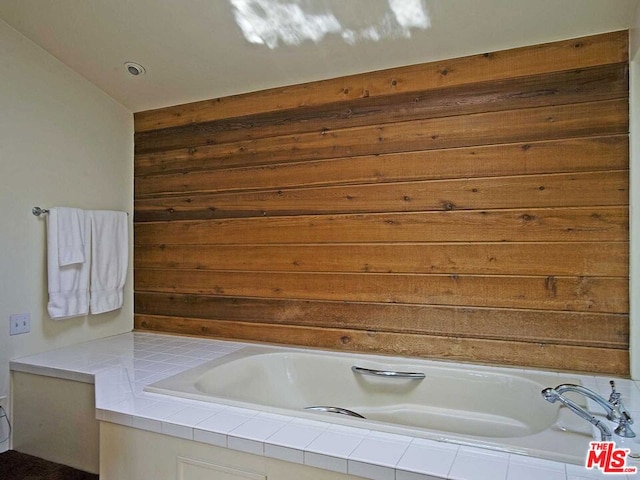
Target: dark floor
column 19, row 466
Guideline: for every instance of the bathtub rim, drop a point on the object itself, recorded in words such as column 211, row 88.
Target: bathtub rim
column 181, row 382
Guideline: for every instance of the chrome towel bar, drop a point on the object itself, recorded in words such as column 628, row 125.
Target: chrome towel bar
column 37, row 211
column 388, row 373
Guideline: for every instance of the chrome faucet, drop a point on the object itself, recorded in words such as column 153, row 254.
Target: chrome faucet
column 616, row 412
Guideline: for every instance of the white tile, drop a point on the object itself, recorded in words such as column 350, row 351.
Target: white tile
column 274, row 417
column 383, row 450
column 326, row 462
column 479, row 464
column 576, row 472
column 305, row 422
column 179, row 431
column 192, row 416
column 404, row 475
column 537, row 463
column 257, row 429
column 223, row 422
column 286, row 454
column 241, row 411
column 535, row 469
column 117, row 417
column 245, row 445
column 335, row 444
column 334, row 427
column 147, row 424
column 161, row 410
column 367, row 470
column 295, row 436
column 212, row 438
column 428, row 457
column 158, row 357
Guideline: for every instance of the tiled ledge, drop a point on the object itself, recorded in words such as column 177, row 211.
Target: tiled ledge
column 121, row 366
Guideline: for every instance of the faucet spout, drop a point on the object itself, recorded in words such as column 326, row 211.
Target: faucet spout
column 612, row 414
column 552, row 395
column 614, row 408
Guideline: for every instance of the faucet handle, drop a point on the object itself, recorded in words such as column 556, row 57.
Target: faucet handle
column 614, row 397
column 623, row 429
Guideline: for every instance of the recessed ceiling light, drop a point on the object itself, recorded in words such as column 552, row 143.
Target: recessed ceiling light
column 134, row 68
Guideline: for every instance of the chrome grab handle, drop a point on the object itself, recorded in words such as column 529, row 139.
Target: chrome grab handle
column 388, row 373
column 341, row 411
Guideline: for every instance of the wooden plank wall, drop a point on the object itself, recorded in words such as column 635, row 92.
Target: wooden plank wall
column 473, row 209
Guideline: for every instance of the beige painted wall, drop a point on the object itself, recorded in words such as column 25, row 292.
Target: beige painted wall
column 62, row 142
column 634, row 127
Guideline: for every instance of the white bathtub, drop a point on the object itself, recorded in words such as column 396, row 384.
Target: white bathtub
column 472, row 405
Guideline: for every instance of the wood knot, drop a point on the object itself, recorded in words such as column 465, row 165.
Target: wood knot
column 394, row 82
column 527, row 218
column 551, row 285
column 345, row 339
column 444, row 72
column 448, row 206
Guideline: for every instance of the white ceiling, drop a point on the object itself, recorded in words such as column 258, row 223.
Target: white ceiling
column 194, row 50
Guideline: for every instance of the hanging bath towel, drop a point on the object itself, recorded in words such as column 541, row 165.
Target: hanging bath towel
column 68, row 253
column 109, row 259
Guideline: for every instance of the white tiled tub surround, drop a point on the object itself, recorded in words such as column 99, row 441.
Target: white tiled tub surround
column 121, row 366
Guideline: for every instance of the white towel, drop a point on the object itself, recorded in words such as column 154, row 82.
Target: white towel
column 68, row 231
column 109, row 259
column 71, row 235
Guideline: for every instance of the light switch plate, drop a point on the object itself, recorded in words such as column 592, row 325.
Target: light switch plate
column 19, row 323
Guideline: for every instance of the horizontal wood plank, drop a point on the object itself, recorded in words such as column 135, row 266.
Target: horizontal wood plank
column 556, row 56
column 474, row 209
column 538, row 355
column 552, row 190
column 606, row 224
column 556, row 88
column 528, row 158
column 608, row 117
column 586, row 259
column 557, row 327
column 595, row 294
